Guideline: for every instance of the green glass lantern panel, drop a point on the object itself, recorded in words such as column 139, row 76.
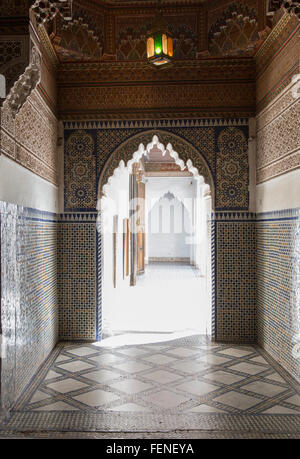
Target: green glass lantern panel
column 158, row 44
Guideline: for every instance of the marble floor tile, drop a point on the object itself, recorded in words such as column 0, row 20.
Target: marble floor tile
column 133, row 351
column 183, row 352
column 96, row 398
column 263, row 388
column 236, row 352
column 277, row 409
column 166, row 399
column 259, row 359
column 52, row 374
column 196, row 387
column 107, row 359
column 211, row 359
column 205, row 409
column 188, row 367
column 237, row 400
column 246, row 367
column 38, row 396
column 75, row 366
column 101, row 376
column 66, row 385
column 131, row 386
column 159, row 359
column 295, row 400
column 82, row 351
column 276, row 377
column 224, row 377
column 58, row 406
column 130, row 407
column 163, row 376
column 132, row 366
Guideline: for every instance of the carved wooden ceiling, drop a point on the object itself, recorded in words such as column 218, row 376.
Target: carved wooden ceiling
column 102, row 30
column 116, row 30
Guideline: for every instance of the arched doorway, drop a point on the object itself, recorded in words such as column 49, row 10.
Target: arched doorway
column 120, row 249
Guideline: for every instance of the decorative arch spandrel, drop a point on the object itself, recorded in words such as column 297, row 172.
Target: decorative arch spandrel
column 126, row 150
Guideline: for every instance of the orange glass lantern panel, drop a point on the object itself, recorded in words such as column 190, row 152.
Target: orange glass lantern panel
column 150, row 47
column 165, row 44
column 170, row 47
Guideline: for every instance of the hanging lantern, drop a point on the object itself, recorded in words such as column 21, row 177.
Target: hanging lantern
column 159, row 42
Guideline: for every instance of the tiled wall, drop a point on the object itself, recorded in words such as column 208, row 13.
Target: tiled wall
column 28, row 294
column 77, row 277
column 278, row 280
column 235, row 276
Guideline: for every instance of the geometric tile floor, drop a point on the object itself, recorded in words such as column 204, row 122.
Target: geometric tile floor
column 188, row 381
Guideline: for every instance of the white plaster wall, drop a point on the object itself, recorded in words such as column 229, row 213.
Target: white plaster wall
column 280, row 193
column 181, row 187
column 169, row 227
column 160, row 242
column 20, row 186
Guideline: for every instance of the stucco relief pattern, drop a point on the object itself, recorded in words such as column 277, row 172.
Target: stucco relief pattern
column 278, row 121
column 277, row 61
column 278, row 137
column 31, row 138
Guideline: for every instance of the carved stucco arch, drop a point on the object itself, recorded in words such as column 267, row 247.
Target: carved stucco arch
column 188, row 156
